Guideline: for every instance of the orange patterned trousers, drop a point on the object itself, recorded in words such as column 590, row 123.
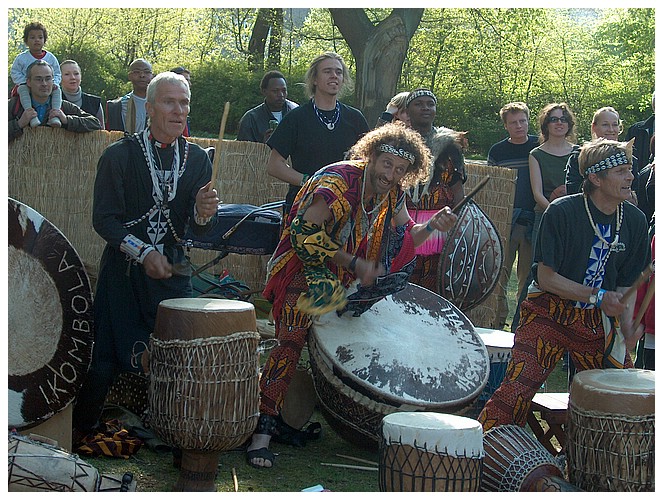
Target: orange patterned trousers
column 549, row 326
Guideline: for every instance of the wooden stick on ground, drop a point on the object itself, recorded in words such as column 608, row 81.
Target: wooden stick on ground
column 235, row 483
column 356, row 459
column 217, row 151
column 347, row 466
column 645, row 303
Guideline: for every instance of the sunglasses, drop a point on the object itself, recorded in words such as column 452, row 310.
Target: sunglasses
column 555, row 119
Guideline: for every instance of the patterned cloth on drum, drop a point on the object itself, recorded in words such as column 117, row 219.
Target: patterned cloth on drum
column 203, row 395
column 610, row 445
column 37, row 467
column 471, row 259
column 427, row 452
column 412, row 351
column 50, row 324
column 499, row 344
column 515, row 461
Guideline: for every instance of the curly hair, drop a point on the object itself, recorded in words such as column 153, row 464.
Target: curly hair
column 401, row 137
column 34, row 27
column 544, row 120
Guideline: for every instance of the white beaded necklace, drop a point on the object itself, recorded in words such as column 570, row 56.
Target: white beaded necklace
column 615, row 245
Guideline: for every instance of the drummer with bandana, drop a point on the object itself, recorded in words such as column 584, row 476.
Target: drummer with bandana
column 149, row 187
column 348, row 241
column 591, row 248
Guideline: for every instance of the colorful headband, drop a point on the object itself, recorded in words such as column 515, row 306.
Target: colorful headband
column 406, row 155
column 419, row 93
column 609, row 162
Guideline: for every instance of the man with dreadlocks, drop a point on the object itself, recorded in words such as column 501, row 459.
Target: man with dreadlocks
column 348, row 222
column 592, row 247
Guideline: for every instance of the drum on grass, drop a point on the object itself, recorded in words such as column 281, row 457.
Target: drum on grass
column 299, row 402
column 471, row 259
column 203, row 394
column 515, row 461
column 499, row 344
column 36, row 466
column 429, row 452
column 412, row 351
column 50, row 324
column 610, row 430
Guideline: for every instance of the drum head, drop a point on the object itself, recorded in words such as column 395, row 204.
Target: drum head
column 471, row 259
column 50, row 324
column 413, row 349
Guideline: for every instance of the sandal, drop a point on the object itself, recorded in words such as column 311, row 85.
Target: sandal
column 285, row 434
column 263, row 453
column 267, row 425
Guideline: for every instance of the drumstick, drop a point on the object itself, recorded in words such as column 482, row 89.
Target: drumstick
column 369, row 462
column 235, row 483
column 217, row 152
column 645, row 303
column 644, row 276
column 346, row 466
column 470, row 195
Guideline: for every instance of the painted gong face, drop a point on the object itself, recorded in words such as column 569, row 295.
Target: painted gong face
column 50, row 326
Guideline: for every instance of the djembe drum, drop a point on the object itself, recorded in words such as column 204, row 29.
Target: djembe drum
column 411, row 351
column 429, row 452
column 515, row 461
column 499, row 344
column 204, row 373
column 610, row 430
column 471, row 259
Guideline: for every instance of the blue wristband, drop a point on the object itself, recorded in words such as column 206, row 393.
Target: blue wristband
column 599, row 297
column 429, row 228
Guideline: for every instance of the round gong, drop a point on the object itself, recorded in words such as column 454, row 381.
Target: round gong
column 50, row 324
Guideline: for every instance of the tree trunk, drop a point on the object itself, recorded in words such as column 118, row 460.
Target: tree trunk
column 266, row 20
column 379, row 52
column 275, row 39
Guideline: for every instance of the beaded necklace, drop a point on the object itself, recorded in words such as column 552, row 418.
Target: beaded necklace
column 330, row 123
column 615, row 245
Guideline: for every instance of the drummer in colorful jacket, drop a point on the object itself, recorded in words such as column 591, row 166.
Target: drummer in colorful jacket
column 348, row 224
column 592, row 247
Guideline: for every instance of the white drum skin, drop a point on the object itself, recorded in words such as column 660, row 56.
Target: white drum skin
column 428, row 451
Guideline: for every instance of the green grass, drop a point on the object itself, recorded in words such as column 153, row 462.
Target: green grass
column 295, row 468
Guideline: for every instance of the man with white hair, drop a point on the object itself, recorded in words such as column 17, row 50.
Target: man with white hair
column 149, row 186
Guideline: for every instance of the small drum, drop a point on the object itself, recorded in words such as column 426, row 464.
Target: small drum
column 36, row 466
column 204, row 373
column 515, row 461
column 299, row 402
column 50, row 323
column 499, row 345
column 471, row 259
column 425, row 451
column 610, row 430
column 411, row 351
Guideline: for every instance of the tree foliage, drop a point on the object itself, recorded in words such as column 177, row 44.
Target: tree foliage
column 475, row 60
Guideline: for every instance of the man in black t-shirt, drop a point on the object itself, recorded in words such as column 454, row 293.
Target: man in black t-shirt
column 316, row 133
column 592, row 247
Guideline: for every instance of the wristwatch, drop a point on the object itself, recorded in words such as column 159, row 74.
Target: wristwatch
column 593, row 298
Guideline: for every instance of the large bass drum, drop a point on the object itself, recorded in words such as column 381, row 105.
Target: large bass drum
column 411, row 351
column 471, row 259
column 50, row 324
